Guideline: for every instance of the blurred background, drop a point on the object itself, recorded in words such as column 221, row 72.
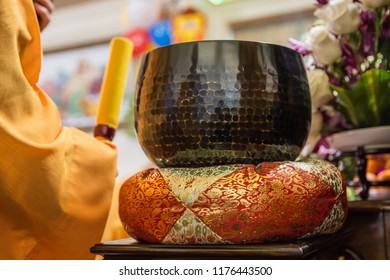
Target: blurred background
column 76, row 48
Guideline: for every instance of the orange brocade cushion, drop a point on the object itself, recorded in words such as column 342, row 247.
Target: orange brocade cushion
column 234, row 204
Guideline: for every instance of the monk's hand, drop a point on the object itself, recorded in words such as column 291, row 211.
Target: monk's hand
column 44, row 9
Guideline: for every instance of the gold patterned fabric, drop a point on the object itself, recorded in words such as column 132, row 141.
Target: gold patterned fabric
column 234, row 204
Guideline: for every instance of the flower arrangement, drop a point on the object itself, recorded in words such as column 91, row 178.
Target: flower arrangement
column 347, row 53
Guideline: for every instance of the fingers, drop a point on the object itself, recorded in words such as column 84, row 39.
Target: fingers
column 48, row 4
column 44, row 9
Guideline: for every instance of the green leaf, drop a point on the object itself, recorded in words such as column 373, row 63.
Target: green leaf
column 346, row 105
column 368, row 103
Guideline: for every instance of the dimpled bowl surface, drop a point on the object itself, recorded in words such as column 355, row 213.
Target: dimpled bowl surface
column 210, row 103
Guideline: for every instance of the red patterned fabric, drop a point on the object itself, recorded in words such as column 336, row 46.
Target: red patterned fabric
column 150, row 204
column 237, row 204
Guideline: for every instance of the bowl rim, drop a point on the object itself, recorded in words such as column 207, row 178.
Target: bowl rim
column 259, row 43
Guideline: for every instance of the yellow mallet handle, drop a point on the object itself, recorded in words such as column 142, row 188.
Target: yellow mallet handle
column 113, row 87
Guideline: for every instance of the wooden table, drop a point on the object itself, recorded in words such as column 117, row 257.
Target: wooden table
column 324, row 247
column 369, row 222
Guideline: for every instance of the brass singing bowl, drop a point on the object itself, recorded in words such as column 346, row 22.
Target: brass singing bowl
column 223, row 102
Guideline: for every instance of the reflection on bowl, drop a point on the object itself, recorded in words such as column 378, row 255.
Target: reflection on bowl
column 221, row 102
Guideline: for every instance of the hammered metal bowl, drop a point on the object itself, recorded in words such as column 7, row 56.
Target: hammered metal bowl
column 210, row 103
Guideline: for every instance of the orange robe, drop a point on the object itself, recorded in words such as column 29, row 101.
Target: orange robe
column 55, row 182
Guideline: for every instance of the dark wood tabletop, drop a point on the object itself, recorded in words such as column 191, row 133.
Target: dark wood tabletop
column 324, row 247
column 369, row 222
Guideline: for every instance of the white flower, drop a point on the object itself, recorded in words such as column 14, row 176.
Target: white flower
column 319, row 88
column 375, row 3
column 324, row 46
column 340, row 16
column 314, row 133
column 320, row 95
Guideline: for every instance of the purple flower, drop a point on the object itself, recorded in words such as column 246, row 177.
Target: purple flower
column 332, row 79
column 323, row 148
column 360, row 49
column 350, row 64
column 367, row 29
column 321, row 3
column 335, row 120
column 298, row 46
column 386, row 26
